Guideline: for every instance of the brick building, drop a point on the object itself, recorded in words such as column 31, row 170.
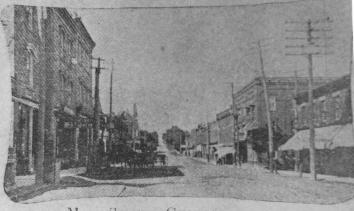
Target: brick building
column 23, row 35
column 250, row 106
column 50, row 56
column 68, row 51
column 225, row 147
column 334, row 140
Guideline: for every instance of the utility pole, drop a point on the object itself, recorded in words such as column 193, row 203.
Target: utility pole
column 309, row 52
column 208, row 141
column 110, row 110
column 180, row 142
column 93, row 157
column 266, row 98
column 234, row 128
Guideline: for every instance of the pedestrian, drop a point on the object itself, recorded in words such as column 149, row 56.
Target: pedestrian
column 275, row 161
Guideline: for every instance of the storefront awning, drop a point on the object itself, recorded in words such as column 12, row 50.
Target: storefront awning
column 325, row 138
column 345, row 137
column 223, row 151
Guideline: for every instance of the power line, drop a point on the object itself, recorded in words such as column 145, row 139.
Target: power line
column 190, row 6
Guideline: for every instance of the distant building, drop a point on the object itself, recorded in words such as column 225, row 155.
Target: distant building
column 174, row 137
column 225, row 148
column 334, row 140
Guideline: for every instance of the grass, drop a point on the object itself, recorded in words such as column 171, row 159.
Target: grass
column 115, row 173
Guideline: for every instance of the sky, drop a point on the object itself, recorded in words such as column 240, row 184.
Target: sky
column 177, row 63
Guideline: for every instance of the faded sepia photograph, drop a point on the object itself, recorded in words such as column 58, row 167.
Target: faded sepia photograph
column 197, row 99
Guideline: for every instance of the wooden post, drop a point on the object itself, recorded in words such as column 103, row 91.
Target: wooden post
column 96, row 123
column 311, row 115
column 266, row 98
column 110, row 111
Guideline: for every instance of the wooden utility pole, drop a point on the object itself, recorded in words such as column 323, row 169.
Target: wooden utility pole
column 110, row 110
column 93, row 157
column 309, row 52
column 208, row 141
column 180, row 142
column 266, row 98
column 234, row 129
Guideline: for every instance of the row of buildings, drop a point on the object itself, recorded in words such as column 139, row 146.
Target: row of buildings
column 50, row 54
column 288, row 101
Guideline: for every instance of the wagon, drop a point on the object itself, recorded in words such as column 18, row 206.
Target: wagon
column 161, row 158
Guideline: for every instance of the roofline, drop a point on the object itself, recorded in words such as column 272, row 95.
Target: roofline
column 75, row 24
column 331, row 83
column 257, row 81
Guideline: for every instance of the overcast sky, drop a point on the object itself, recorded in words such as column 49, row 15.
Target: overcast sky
column 176, row 63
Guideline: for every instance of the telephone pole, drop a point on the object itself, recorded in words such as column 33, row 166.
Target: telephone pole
column 110, row 110
column 235, row 130
column 93, row 163
column 269, row 120
column 309, row 49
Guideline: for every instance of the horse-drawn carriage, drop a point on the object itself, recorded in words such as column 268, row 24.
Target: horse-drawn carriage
column 161, row 158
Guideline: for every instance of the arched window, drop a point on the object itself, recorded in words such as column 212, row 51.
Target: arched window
column 61, row 38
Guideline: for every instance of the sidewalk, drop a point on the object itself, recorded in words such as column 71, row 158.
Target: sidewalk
column 28, row 180
column 329, row 178
column 320, row 177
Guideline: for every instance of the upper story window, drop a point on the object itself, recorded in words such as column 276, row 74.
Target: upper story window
column 29, row 16
column 63, row 82
column 30, row 65
column 323, row 110
column 337, row 108
column 272, row 103
column 61, row 38
column 248, row 110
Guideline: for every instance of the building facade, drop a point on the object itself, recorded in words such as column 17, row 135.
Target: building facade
column 251, row 111
column 68, row 50
column 23, row 35
column 334, row 140
column 50, row 55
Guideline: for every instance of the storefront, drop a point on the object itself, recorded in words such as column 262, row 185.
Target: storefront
column 25, row 134
column 73, row 135
column 334, row 149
